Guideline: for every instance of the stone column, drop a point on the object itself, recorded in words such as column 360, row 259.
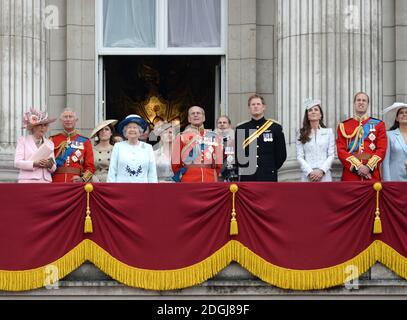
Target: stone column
column 389, row 53
column 266, row 55
column 328, row 50
column 241, row 57
column 401, row 50
column 80, row 61
column 22, row 68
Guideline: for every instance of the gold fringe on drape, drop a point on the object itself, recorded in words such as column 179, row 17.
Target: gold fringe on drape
column 157, row 279
column 305, row 279
column 393, row 260
column 39, row 277
column 206, row 269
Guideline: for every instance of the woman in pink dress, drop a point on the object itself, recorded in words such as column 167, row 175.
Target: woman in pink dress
column 34, row 152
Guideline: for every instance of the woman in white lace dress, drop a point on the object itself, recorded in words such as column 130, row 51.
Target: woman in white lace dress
column 315, row 145
column 162, row 151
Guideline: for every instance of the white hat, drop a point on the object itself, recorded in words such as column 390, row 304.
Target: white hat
column 161, row 127
column 101, row 125
column 309, row 103
column 391, row 111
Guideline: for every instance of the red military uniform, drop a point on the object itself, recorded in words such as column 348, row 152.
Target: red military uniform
column 197, row 155
column 361, row 140
column 74, row 157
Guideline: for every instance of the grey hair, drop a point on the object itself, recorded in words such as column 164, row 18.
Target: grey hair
column 226, row 117
column 202, row 109
column 68, row 109
column 140, row 129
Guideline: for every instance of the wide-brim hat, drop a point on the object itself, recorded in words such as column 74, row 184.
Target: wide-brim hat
column 160, row 127
column 309, row 103
column 35, row 117
column 132, row 118
column 101, row 125
column 389, row 113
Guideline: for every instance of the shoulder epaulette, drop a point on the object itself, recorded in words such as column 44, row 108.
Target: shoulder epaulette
column 274, row 121
column 82, row 136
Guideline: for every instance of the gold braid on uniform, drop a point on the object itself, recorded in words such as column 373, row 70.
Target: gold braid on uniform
column 87, row 176
column 358, row 132
column 354, row 162
column 63, row 144
column 348, row 136
column 373, row 161
column 258, row 133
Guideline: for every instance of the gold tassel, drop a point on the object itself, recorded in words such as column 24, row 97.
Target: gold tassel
column 234, row 230
column 88, row 225
column 233, row 226
column 88, row 220
column 377, row 226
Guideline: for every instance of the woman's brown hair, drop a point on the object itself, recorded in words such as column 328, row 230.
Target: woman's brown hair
column 111, row 141
column 305, row 131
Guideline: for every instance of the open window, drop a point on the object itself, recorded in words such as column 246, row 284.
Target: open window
column 158, row 57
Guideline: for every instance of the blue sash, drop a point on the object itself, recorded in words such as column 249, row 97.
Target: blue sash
column 68, row 152
column 366, row 131
column 178, row 175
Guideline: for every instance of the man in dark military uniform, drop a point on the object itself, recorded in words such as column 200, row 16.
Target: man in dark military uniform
column 260, row 145
column 361, row 143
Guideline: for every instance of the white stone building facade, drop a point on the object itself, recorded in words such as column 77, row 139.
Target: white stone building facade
column 285, row 50
column 52, row 57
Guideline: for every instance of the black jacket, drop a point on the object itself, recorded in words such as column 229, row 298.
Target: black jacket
column 271, row 151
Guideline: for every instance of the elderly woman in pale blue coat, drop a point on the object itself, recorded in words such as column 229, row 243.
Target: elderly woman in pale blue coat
column 132, row 160
column 395, row 163
column 315, row 145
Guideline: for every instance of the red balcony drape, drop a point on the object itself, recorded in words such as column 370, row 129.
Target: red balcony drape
column 169, row 236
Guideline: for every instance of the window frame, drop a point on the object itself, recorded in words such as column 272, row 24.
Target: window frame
column 161, row 35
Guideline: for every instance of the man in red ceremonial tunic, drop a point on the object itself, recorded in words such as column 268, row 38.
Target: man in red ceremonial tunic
column 197, row 153
column 73, row 152
column 361, row 143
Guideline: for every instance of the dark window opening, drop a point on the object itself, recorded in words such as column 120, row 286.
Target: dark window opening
column 160, row 87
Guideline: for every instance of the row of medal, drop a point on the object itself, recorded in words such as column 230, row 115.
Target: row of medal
column 372, row 137
column 77, row 154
